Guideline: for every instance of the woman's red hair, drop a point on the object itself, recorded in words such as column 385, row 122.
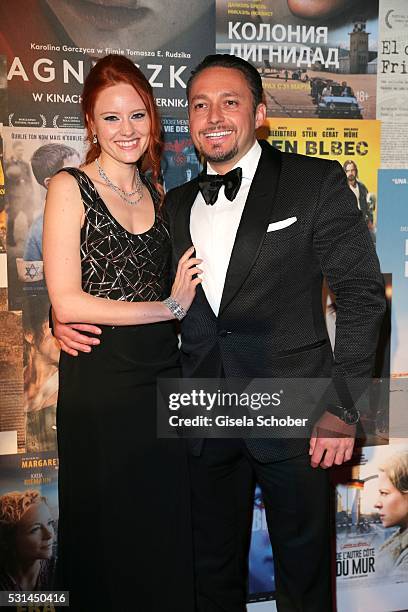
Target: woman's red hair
column 113, row 70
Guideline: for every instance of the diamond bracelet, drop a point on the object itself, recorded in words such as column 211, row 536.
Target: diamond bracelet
column 175, row 308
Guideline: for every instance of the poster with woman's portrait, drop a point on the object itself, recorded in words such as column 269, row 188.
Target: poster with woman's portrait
column 63, row 38
column 28, row 521
column 372, row 529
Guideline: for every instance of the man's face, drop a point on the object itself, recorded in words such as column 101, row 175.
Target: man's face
column 222, row 117
column 351, row 173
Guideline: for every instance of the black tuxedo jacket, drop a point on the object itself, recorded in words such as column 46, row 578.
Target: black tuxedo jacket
column 271, row 321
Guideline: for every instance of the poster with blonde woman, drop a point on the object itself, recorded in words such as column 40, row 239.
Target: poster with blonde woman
column 372, row 530
column 392, row 506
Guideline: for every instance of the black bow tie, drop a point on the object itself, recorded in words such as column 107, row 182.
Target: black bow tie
column 210, row 185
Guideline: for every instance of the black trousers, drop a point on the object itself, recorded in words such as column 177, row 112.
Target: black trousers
column 297, row 502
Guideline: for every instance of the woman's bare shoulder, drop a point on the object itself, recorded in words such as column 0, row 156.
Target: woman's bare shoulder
column 63, row 180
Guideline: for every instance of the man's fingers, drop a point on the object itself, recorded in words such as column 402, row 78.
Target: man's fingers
column 66, row 349
column 75, row 336
column 77, row 346
column 339, row 458
column 349, row 450
column 312, row 442
column 330, row 451
column 92, row 329
column 317, row 455
column 328, row 458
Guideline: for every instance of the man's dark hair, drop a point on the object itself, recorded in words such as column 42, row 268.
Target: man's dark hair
column 48, row 159
column 251, row 75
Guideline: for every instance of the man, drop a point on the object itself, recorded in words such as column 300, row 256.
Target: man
column 359, row 190
column 326, row 90
column 266, row 241
column 46, row 161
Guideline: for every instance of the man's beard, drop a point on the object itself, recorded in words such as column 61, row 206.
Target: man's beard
column 221, row 156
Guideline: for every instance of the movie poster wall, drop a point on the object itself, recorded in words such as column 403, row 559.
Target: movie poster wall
column 335, row 81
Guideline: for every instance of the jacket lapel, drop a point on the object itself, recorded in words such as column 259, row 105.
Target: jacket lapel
column 181, row 229
column 254, row 221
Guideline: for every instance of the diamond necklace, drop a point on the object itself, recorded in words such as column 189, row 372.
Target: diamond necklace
column 125, row 195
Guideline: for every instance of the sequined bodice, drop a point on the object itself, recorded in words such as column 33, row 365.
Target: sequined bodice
column 117, row 264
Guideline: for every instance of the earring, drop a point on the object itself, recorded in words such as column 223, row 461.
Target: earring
column 94, row 139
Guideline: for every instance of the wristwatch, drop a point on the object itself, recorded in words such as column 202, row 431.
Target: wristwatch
column 350, row 416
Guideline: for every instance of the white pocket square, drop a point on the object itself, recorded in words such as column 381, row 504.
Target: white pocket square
column 272, row 227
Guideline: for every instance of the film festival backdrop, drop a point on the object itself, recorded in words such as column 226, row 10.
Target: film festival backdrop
column 336, row 85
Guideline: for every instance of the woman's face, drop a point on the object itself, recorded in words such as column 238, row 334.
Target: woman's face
column 317, row 8
column 392, row 505
column 133, row 24
column 35, row 533
column 121, row 123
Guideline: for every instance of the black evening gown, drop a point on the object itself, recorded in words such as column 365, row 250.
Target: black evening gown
column 124, row 526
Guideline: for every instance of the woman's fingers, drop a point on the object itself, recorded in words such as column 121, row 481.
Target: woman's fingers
column 193, row 261
column 186, row 281
column 186, row 254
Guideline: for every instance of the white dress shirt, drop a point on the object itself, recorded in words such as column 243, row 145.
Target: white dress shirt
column 356, row 192
column 213, row 228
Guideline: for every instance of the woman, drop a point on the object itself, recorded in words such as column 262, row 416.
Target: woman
column 26, row 542
column 312, row 9
column 392, row 505
column 123, row 492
